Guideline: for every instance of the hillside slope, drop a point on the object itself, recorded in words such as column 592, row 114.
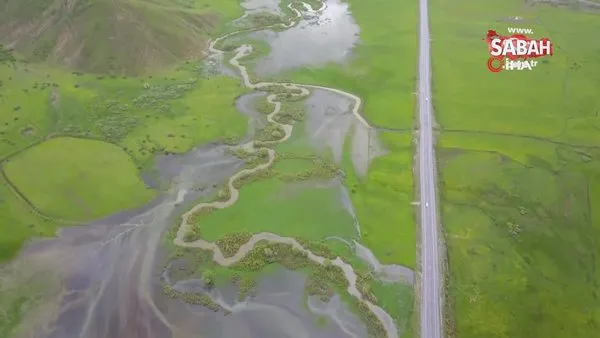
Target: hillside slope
column 110, row 36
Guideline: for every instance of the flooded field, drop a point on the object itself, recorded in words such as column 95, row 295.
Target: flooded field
column 246, row 105
column 317, row 40
column 252, row 6
column 106, row 278
column 278, row 310
column 331, row 122
column 107, row 272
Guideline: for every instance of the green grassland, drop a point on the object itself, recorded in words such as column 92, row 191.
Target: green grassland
column 287, row 209
column 397, row 300
column 382, row 201
column 79, row 178
column 288, row 201
column 519, row 173
column 522, row 242
column 143, row 117
column 207, row 114
column 18, row 222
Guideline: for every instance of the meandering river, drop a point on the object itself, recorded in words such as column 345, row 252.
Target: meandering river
column 104, row 279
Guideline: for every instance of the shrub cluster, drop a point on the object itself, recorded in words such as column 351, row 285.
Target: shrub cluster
column 247, row 288
column 257, row 175
column 265, row 253
column 289, row 114
column 318, row 248
column 271, row 132
column 231, row 242
column 263, row 106
column 281, row 89
column 252, row 159
column 157, row 97
column 191, row 235
column 263, row 19
column 6, row 55
column 321, row 170
column 192, row 298
column 316, row 287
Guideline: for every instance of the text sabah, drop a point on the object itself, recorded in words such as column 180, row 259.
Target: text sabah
column 519, row 47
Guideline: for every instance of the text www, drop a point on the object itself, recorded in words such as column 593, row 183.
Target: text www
column 520, row 30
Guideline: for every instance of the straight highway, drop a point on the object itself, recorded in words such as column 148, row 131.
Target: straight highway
column 431, row 279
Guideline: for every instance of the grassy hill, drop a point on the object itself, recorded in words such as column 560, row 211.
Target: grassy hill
column 112, row 36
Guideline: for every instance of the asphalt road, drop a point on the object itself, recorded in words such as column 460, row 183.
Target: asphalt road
column 431, row 287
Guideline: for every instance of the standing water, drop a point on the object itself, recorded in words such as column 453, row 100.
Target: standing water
column 327, row 37
column 105, row 279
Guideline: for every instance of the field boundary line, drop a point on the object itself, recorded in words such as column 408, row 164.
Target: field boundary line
column 20, row 195
column 531, row 137
column 23, row 197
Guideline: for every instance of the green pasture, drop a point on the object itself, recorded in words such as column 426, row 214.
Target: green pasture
column 382, row 201
column 557, row 100
column 77, row 179
column 207, row 114
column 522, row 242
column 297, row 209
column 18, row 222
column 397, row 300
column 518, row 173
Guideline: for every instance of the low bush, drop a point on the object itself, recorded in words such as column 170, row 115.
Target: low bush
column 247, row 288
column 263, row 106
column 271, row 132
column 264, row 19
column 231, row 242
column 190, row 235
column 191, row 298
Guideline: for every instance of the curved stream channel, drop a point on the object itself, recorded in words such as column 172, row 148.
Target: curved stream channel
column 113, row 285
